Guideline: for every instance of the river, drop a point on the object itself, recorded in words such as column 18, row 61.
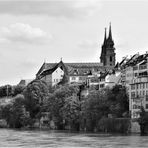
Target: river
column 38, row 138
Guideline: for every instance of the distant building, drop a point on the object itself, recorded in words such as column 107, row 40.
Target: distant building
column 137, row 83
column 113, row 79
column 25, row 82
column 54, row 73
column 138, row 95
column 108, row 55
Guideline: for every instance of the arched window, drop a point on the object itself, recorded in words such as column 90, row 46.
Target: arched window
column 111, row 58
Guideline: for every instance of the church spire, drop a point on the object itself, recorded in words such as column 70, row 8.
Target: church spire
column 110, row 32
column 105, row 36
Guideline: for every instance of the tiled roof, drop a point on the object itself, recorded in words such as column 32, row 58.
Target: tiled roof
column 136, row 59
column 74, row 65
column 80, row 72
column 80, row 69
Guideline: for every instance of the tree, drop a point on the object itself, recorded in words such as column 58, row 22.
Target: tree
column 35, row 94
column 71, row 112
column 118, row 100
column 5, row 91
column 6, row 112
column 18, row 89
column 94, row 108
column 57, row 100
column 15, row 113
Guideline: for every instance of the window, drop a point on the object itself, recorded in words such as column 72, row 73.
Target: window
column 73, row 78
column 136, row 106
column 132, row 87
column 146, row 106
column 143, row 93
column 132, row 95
column 135, row 67
column 140, row 93
column 146, row 99
column 137, row 86
column 101, row 85
column 111, row 59
column 80, row 78
column 143, row 85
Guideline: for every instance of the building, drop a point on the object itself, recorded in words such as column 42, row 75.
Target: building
column 137, row 82
column 54, row 73
column 113, row 79
column 24, row 82
column 138, row 95
column 134, row 75
column 108, row 55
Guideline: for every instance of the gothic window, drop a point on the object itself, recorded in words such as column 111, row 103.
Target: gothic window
column 111, row 59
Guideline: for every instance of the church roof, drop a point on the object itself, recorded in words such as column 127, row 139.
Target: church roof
column 75, row 65
column 80, row 69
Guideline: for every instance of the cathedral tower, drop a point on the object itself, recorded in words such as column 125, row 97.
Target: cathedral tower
column 108, row 55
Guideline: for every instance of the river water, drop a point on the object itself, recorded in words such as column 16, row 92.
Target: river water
column 55, row 139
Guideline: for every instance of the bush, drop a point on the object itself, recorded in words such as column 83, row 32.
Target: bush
column 15, row 113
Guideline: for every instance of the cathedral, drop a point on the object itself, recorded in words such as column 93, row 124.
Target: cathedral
column 54, row 73
column 108, row 55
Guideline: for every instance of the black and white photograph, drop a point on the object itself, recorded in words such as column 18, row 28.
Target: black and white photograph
column 74, row 73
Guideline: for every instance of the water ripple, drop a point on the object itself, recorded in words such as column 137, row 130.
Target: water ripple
column 38, row 138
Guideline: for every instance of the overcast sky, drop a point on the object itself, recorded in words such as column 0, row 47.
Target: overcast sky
column 34, row 31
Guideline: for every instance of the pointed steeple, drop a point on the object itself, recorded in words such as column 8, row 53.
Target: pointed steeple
column 108, row 55
column 105, row 36
column 110, row 32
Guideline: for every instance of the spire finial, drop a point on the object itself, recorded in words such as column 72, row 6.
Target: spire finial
column 105, row 35
column 61, row 58
column 110, row 31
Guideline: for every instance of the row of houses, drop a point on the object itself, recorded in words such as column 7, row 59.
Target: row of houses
column 134, row 75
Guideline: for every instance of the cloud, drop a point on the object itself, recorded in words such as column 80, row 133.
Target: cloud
column 88, row 44
column 56, row 8
column 20, row 32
